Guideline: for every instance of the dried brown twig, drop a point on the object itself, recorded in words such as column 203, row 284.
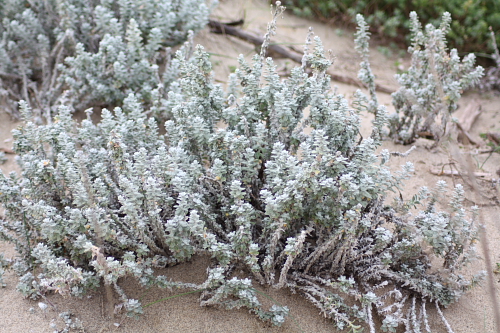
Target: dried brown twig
column 442, row 172
column 465, row 122
column 7, row 151
column 279, row 51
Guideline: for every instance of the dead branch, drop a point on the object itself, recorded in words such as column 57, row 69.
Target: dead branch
column 441, row 172
column 7, row 151
column 279, row 51
column 470, row 114
column 493, row 137
column 480, row 151
column 274, row 50
column 396, row 153
column 9, row 76
column 466, row 120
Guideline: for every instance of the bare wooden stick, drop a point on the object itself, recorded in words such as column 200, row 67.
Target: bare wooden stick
column 465, row 137
column 480, row 151
column 466, row 120
column 7, row 151
column 495, row 137
column 396, row 153
column 470, row 114
column 9, row 76
column 279, row 51
column 440, row 172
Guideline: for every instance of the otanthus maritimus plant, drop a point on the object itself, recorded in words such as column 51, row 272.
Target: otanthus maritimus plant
column 236, row 177
column 98, row 50
column 432, row 86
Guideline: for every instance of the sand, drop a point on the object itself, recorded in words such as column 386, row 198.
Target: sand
column 473, row 313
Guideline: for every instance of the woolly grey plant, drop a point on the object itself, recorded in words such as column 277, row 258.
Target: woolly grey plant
column 99, row 50
column 432, row 86
column 491, row 79
column 237, row 178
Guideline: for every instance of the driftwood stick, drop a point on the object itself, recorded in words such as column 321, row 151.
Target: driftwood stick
column 465, row 137
column 9, row 76
column 466, row 120
column 470, row 114
column 440, row 172
column 279, row 51
column 494, row 137
column 235, row 23
column 7, row 151
column 482, row 151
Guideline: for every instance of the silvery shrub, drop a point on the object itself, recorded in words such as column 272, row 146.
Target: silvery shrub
column 432, row 86
column 90, row 53
column 242, row 175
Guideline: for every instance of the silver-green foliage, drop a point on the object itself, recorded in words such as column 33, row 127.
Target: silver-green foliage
column 99, row 50
column 236, row 177
column 432, row 86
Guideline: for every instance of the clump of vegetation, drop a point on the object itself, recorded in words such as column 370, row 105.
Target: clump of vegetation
column 98, row 50
column 388, row 19
column 432, row 86
column 97, row 202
